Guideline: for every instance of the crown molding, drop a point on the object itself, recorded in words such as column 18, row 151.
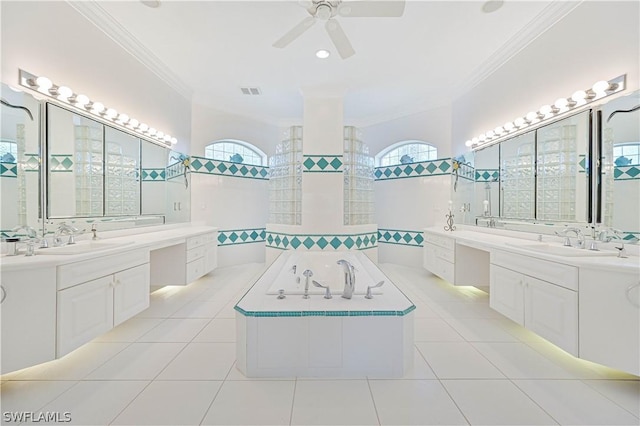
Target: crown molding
column 549, row 16
column 99, row 17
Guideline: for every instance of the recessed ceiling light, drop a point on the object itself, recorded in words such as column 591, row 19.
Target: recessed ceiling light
column 323, row 54
column 492, row 5
column 151, row 3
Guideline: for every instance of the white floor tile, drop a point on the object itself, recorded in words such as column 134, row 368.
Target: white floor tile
column 414, row 402
column 170, row 403
column 469, row 310
column 218, row 330
column 434, row 330
column 520, row 361
column 495, row 402
column 481, row 330
column 457, row 360
column 235, row 374
column 96, row 402
column 227, row 311
column 75, row 365
column 252, row 403
column 333, row 402
column 175, row 330
column 139, row 361
column 130, row 330
column 200, row 309
column 421, row 369
column 31, row 396
column 625, row 393
column 572, row 402
column 201, row 361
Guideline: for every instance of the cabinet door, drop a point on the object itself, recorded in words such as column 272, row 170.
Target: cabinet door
column 610, row 319
column 429, row 261
column 85, row 311
column 506, row 293
column 27, row 318
column 210, row 258
column 552, row 312
column 130, row 293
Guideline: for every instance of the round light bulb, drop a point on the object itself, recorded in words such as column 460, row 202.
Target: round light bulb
column 123, row 118
column 601, row 86
column 64, row 93
column 468, row 143
column 174, row 141
column 498, row 130
column 532, row 116
column 561, row 103
column 81, row 101
column 97, row 107
column 151, row 131
column 519, row 122
column 545, row 109
column 490, row 134
column 111, row 113
column 143, row 127
column 160, row 135
column 475, row 140
column 508, row 126
column 133, row 123
column 578, row 96
column 44, row 84
column 167, row 138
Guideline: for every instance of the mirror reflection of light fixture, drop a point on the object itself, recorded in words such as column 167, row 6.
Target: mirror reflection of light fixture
column 64, row 94
column 599, row 90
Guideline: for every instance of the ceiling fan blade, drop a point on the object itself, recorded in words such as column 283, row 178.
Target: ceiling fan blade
column 295, row 32
column 372, row 8
column 339, row 38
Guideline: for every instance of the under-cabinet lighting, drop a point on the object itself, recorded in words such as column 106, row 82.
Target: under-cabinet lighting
column 81, row 102
column 599, row 90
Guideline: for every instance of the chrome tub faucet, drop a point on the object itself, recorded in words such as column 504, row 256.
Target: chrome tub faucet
column 349, row 278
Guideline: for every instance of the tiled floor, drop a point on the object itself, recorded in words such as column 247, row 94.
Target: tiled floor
column 174, row 364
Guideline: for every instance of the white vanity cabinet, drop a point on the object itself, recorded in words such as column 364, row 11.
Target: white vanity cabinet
column 538, row 294
column 455, row 262
column 610, row 318
column 96, row 295
column 181, row 264
column 27, row 317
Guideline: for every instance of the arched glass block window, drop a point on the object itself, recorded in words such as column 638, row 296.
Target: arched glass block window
column 404, row 152
column 236, row 152
column 626, row 154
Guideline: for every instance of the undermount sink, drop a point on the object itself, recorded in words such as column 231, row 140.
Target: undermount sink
column 84, row 247
column 559, row 250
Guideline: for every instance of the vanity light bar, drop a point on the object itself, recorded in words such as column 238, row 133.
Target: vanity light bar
column 599, row 90
column 64, row 94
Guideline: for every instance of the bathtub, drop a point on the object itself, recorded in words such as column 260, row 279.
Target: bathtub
column 318, row 337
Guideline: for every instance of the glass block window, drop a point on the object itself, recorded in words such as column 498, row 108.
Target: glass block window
column 235, row 152
column 626, row 154
column 407, row 152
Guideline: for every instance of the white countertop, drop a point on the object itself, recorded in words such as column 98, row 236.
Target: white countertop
column 489, row 239
column 149, row 239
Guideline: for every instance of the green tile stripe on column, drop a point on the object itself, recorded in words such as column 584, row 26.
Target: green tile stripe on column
column 487, row 175
column 153, row 175
column 61, row 163
column 322, row 164
column 442, row 166
column 8, row 170
column 323, row 242
column 401, row 237
column 626, row 172
column 230, row 237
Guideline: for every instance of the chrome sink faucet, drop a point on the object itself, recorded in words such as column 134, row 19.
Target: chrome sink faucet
column 349, row 278
column 307, row 274
column 64, row 229
column 579, row 236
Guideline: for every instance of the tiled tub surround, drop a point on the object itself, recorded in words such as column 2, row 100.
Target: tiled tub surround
column 318, row 337
column 56, row 303
column 585, row 302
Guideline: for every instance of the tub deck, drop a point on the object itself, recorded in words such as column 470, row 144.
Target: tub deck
column 319, row 337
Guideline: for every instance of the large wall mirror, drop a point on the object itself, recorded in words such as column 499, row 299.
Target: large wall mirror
column 19, row 161
column 621, row 165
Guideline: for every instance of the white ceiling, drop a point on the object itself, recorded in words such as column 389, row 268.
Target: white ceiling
column 209, row 49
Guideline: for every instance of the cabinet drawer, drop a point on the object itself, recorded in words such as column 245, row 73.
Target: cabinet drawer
column 210, row 237
column 440, row 240
column 556, row 273
column 87, row 270
column 196, row 241
column 195, row 253
column 195, row 270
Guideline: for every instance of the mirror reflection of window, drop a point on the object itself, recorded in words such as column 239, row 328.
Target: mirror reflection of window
column 626, row 154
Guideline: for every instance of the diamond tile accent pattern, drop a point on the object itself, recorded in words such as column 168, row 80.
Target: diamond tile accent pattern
column 322, row 164
column 227, row 168
column 438, row 167
column 321, row 242
column 397, row 236
column 241, row 236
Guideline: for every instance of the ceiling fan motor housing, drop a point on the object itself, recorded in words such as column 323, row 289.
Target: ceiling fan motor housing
column 324, row 9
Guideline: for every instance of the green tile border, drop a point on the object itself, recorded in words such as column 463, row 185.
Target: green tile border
column 324, row 242
column 630, row 172
column 228, row 168
column 8, row 170
column 342, row 313
column 400, row 237
column 230, row 237
column 322, row 163
column 442, row 166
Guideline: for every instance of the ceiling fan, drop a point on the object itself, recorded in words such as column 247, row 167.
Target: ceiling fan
column 327, row 10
